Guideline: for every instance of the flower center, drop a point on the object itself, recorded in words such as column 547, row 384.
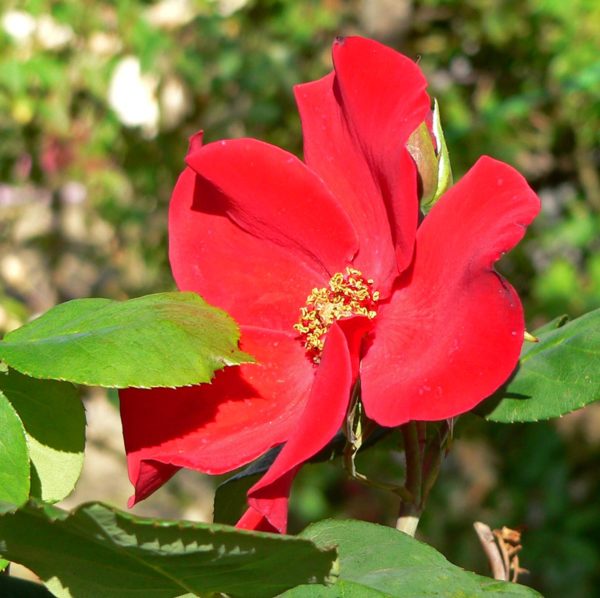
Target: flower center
column 348, row 294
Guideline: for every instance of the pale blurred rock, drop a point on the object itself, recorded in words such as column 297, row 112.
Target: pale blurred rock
column 132, row 95
column 8, row 322
column 20, row 25
column 535, row 164
column 14, row 195
column 477, row 463
column 133, row 271
column 27, row 272
column 584, row 421
column 385, row 18
column 461, row 70
column 227, row 7
column 104, row 44
column 51, row 34
column 12, row 269
column 74, row 276
column 73, row 223
column 175, row 102
column 101, row 233
column 73, row 192
column 170, row 14
column 35, row 220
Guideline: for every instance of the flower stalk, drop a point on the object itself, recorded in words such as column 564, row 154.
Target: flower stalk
column 358, row 429
column 410, row 510
column 423, row 461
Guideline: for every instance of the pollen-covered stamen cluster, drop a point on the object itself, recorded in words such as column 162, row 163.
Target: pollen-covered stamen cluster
column 348, row 294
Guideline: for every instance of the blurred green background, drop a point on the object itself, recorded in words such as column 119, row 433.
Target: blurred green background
column 97, row 101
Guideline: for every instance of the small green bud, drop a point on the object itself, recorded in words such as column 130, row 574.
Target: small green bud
column 421, row 147
column 432, row 159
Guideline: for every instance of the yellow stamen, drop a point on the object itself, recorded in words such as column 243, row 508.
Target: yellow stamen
column 347, row 295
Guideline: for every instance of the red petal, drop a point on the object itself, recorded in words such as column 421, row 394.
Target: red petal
column 319, row 422
column 258, row 282
column 453, row 330
column 253, row 520
column 356, row 123
column 275, row 517
column 149, row 476
column 218, row 427
column 271, row 194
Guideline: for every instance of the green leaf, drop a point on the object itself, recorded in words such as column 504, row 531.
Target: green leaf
column 167, row 339
column 99, row 551
column 230, row 496
column 557, row 322
column 377, row 561
column 54, row 421
column 14, row 458
column 555, row 376
column 13, row 587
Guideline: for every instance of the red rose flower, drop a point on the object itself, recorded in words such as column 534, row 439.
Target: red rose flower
column 323, row 265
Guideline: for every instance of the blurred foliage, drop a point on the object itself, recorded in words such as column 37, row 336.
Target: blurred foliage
column 85, row 196
column 97, row 101
column 520, row 81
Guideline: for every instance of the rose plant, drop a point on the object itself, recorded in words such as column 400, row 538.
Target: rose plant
column 323, row 266
column 363, row 285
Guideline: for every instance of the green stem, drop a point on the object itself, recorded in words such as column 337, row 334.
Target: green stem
column 410, row 511
column 402, row 492
column 433, row 459
column 412, row 453
column 422, row 432
column 408, row 518
column 358, row 429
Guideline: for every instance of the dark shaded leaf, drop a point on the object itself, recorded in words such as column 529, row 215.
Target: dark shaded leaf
column 99, row 551
column 12, row 587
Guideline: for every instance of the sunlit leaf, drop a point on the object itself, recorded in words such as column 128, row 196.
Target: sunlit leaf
column 378, row 561
column 54, row 421
column 167, row 339
column 14, row 458
column 555, row 376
